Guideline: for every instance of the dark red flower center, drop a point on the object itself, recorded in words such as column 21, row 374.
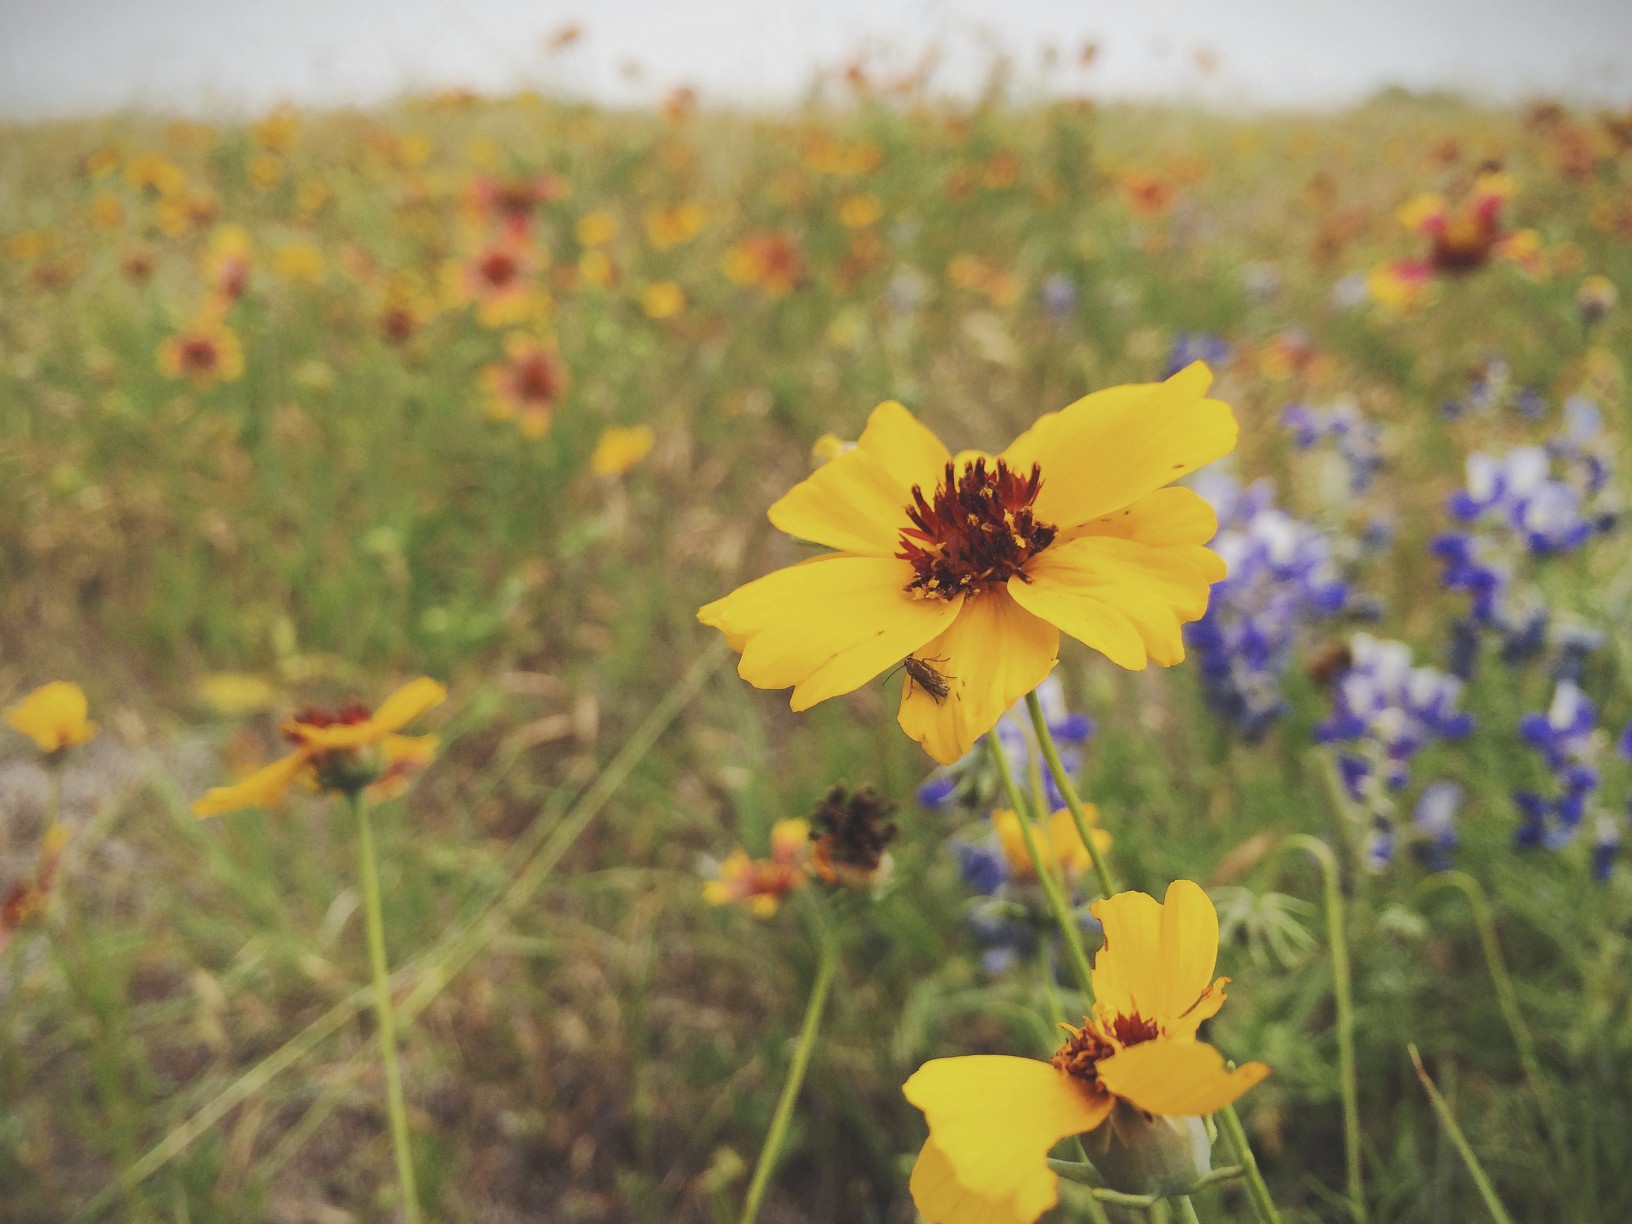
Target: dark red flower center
column 499, row 269
column 348, row 715
column 535, row 380
column 199, row 353
column 1085, row 1047
column 977, row 531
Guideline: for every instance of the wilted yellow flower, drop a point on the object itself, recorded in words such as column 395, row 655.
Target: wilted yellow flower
column 980, row 561
column 53, row 716
column 621, row 447
column 663, row 300
column 1060, row 845
column 342, row 751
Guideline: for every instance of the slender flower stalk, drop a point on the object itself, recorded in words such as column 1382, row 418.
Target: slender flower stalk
column 783, row 1116
column 383, row 1010
column 1068, row 790
column 1045, row 875
column 1487, row 1192
column 1263, row 1206
column 1343, row 993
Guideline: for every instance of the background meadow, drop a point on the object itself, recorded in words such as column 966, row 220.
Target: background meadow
column 184, row 1036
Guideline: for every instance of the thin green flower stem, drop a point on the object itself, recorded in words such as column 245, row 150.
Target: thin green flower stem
column 1051, row 754
column 1506, row 997
column 1493, row 1204
column 783, row 1116
column 1187, row 1210
column 1051, row 994
column 382, row 1009
column 1343, row 993
column 1051, row 886
column 532, row 859
column 1229, row 1122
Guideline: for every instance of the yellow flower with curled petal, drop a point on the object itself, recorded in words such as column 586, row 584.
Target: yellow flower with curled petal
column 975, row 563
column 993, row 1119
column 54, row 716
column 620, row 447
column 344, row 751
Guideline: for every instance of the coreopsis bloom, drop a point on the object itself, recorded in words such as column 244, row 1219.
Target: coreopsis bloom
column 26, row 899
column 345, row 751
column 762, row 884
column 1059, row 845
column 765, row 260
column 671, row 224
column 621, row 447
column 973, row 564
column 1135, row 1063
column 54, row 716
column 663, row 300
column 206, row 353
column 300, row 263
column 527, row 385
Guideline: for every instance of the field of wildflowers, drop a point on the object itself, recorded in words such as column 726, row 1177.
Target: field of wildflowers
column 388, row 499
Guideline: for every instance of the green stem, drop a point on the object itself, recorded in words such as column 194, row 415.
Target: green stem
column 783, row 1116
column 382, row 1008
column 1051, row 754
column 1506, row 997
column 1262, row 1205
column 1051, row 886
column 1448, row 1120
column 1187, row 1210
column 1343, row 993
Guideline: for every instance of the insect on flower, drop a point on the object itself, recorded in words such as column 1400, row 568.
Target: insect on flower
column 924, row 674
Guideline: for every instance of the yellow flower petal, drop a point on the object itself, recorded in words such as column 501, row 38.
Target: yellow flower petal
column 995, row 1118
column 53, row 716
column 1176, row 1078
column 1171, row 516
column 827, row 625
column 1113, row 447
column 857, row 501
column 1126, row 599
column 992, row 655
column 265, row 787
column 1189, row 952
column 408, row 703
column 1127, row 973
column 942, row 1199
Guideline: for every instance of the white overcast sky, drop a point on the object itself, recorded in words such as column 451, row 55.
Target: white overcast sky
column 62, row 57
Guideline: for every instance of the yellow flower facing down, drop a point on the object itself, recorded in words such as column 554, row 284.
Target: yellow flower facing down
column 54, row 716
column 1060, row 845
column 344, row 751
column 973, row 564
column 993, row 1119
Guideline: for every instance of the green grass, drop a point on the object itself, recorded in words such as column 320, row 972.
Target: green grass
column 600, row 1044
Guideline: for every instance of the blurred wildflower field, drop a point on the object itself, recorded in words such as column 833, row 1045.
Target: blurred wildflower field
column 498, row 391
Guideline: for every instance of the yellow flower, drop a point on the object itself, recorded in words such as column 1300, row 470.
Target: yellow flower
column 265, row 171
column 976, row 563
column 1061, row 846
column 343, row 751
column 858, row 211
column 300, row 262
column 620, row 448
column 993, row 1119
column 595, row 228
column 761, row 884
column 208, row 352
column 671, row 224
column 53, row 716
column 663, row 300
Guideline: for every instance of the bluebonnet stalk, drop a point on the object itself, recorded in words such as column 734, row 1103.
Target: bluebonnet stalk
column 1568, row 740
column 1283, row 578
column 1385, row 711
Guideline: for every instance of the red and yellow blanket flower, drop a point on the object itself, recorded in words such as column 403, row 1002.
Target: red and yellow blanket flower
column 54, row 716
column 972, row 564
column 993, row 1119
column 345, row 751
column 763, row 884
column 1460, row 240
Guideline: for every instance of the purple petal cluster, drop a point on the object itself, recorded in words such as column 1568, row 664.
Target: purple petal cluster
column 1356, row 439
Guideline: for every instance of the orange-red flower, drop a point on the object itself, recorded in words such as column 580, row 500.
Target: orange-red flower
column 527, row 385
